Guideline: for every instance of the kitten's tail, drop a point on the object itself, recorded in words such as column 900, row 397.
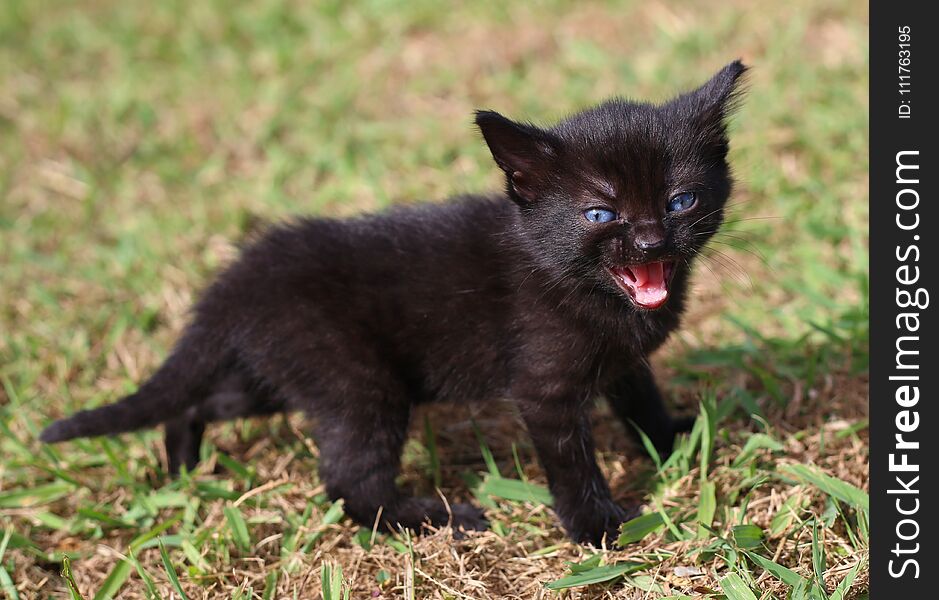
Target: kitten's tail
column 182, row 381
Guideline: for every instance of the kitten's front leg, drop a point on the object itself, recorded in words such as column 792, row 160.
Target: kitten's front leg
column 636, row 400
column 564, row 442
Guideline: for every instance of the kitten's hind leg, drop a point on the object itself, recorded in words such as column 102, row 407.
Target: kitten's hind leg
column 360, row 452
column 183, row 437
column 235, row 396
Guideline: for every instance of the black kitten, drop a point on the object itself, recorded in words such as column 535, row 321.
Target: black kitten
column 551, row 294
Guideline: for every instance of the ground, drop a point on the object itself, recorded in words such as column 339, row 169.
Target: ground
column 140, row 141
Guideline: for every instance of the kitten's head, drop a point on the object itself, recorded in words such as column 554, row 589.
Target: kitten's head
column 622, row 196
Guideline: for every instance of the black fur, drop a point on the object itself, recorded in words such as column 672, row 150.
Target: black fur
column 356, row 321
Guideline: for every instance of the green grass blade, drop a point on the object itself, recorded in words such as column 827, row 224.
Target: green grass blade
column 7, row 585
column 331, row 582
column 748, row 537
column 7, row 536
column 518, row 463
column 585, row 565
column 800, row 591
column 238, row 528
column 707, row 507
column 6, row 582
column 292, row 536
column 596, row 575
column 788, row 513
column 145, row 577
column 73, row 592
column 649, row 447
column 757, row 441
column 194, row 556
column 645, row 583
column 707, row 435
column 141, row 540
column 863, row 528
column 105, row 519
column 787, row 576
column 818, row 556
column 735, row 589
column 842, row 589
column 514, row 489
column 35, row 496
column 486, row 452
column 832, row 486
column 689, row 445
column 171, row 572
column 636, row 529
column 667, row 520
column 270, row 585
column 211, row 491
column 332, row 516
column 114, row 581
column 430, row 441
column 234, row 467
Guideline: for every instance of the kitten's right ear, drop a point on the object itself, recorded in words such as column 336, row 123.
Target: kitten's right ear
column 525, row 152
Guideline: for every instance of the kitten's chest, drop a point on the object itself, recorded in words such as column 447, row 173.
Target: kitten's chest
column 565, row 352
column 627, row 345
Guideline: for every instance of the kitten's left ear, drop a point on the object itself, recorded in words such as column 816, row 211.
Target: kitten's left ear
column 719, row 97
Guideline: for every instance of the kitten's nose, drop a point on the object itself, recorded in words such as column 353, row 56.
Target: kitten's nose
column 648, row 237
column 650, row 243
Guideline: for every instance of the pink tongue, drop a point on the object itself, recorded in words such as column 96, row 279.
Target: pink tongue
column 649, row 287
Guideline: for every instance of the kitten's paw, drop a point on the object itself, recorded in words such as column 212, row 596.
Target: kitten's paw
column 418, row 513
column 598, row 524
column 466, row 517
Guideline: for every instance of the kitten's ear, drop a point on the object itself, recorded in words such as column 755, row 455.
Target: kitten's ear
column 720, row 96
column 524, row 152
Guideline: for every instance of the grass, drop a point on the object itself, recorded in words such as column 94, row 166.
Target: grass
column 138, row 143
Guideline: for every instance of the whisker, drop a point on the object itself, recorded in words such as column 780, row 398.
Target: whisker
column 738, row 277
column 738, row 243
column 755, row 253
column 738, row 272
column 745, row 244
column 710, row 270
column 722, row 259
column 713, row 212
column 733, row 235
column 763, row 218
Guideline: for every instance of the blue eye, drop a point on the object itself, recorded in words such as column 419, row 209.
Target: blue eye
column 679, row 202
column 599, row 215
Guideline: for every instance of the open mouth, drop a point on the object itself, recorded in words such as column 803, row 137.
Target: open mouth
column 646, row 284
